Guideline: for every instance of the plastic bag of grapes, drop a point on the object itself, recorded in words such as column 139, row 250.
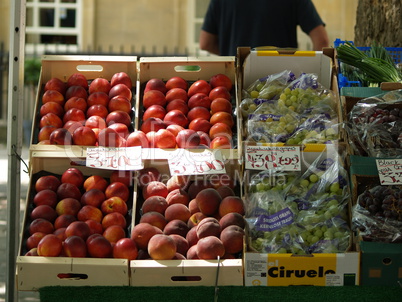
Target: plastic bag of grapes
column 267, row 180
column 271, row 224
column 377, row 214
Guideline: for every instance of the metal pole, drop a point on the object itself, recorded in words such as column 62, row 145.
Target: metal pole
column 14, row 140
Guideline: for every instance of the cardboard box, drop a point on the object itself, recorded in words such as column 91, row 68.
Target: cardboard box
column 34, row 272
column 191, row 69
column 92, row 67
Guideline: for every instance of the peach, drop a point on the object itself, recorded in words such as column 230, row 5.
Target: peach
column 137, row 138
column 60, row 136
column 199, row 100
column 176, row 82
column 52, row 107
column 225, row 191
column 221, row 79
column 188, row 139
column 41, row 225
column 210, row 247
column 99, row 84
column 125, row 248
column 98, row 98
column 152, row 124
column 94, row 226
column 221, row 142
column 199, row 86
column 175, row 129
column 77, row 79
column 120, row 90
column 109, row 137
column 222, row 117
column 120, row 103
column 32, row 252
column 93, row 197
column 153, row 97
column 182, row 245
column 89, row 212
column 114, row 218
column 68, row 190
column 192, row 253
column 193, row 207
column 55, row 84
column 121, row 78
column 198, row 112
column 33, row 240
column 76, row 102
column 176, row 94
column 154, row 218
column 124, row 177
column 53, row 96
column 147, row 175
column 178, row 196
column 45, row 197
column 177, row 211
column 63, row 221
column 154, row 111
column 78, row 228
column 118, row 116
column 74, row 114
column 192, row 237
column 200, row 124
column 221, row 104
column 161, row 247
column 220, row 129
column 232, row 218
column 44, row 211
column 95, row 121
column 114, row 204
column 219, row 92
column 208, row 201
column 95, row 182
column 232, row 238
column 99, row 247
column 154, row 204
column 50, row 119
column 231, row 204
column 97, row 110
column 178, row 182
column 165, row 139
column 208, row 226
column 176, row 226
column 176, row 117
column 75, row 246
column 77, row 91
column 50, row 246
column 117, row 189
column 69, row 206
column 142, row 233
column 195, row 219
column 155, row 84
column 178, row 105
column 84, row 136
column 114, row 233
column 44, row 133
column 197, row 186
column 154, row 188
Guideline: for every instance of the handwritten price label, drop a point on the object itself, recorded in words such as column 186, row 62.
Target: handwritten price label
column 286, row 158
column 390, row 171
column 184, row 162
column 114, row 158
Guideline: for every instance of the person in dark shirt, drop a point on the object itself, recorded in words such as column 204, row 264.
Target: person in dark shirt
column 229, row 24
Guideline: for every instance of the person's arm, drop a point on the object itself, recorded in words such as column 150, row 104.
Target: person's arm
column 209, row 42
column 319, row 37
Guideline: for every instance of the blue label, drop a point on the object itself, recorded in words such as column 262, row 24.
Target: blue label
column 269, row 223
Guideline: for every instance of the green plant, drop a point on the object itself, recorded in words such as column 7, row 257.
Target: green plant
column 32, row 71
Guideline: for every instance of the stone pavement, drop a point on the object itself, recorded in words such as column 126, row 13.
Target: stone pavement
column 26, row 295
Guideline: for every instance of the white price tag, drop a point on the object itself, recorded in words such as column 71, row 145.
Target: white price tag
column 390, row 171
column 271, row 157
column 111, row 158
column 185, row 162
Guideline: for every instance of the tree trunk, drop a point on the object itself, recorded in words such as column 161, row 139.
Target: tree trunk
column 379, row 21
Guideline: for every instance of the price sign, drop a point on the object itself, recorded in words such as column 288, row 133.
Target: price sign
column 129, row 158
column 390, row 171
column 185, row 162
column 272, row 157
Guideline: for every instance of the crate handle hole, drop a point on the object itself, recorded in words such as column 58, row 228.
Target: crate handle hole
column 187, row 68
column 186, row 278
column 387, row 261
column 70, row 276
column 91, row 68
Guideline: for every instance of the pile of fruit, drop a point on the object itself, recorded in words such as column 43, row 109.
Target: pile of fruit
column 300, row 213
column 87, row 113
column 73, row 215
column 184, row 218
column 183, row 114
column 284, row 109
